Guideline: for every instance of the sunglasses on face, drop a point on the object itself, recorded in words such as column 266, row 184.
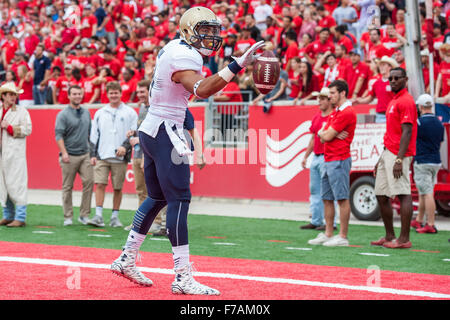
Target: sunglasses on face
column 392, row 78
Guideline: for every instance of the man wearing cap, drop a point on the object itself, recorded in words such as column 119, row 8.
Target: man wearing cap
column 392, row 169
column 315, row 170
column 15, row 126
column 381, row 89
column 427, row 162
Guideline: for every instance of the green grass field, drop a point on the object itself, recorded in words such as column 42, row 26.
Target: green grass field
column 259, row 239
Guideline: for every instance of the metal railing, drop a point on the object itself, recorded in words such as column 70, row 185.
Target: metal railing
column 226, row 124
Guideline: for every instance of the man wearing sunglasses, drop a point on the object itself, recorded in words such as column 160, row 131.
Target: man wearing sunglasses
column 392, row 170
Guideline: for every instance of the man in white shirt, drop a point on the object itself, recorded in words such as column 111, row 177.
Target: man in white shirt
column 108, row 135
column 262, row 11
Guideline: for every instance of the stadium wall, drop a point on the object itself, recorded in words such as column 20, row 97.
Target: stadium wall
column 269, row 168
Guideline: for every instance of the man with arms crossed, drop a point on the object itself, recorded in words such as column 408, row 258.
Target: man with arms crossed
column 337, row 134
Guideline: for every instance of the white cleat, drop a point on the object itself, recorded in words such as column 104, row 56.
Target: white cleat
column 125, row 266
column 185, row 284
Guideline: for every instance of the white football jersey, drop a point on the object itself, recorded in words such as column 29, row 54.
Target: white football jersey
column 169, row 100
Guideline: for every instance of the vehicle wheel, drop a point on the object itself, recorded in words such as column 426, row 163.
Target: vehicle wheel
column 363, row 202
column 443, row 208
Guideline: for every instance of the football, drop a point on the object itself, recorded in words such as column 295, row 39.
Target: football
column 266, row 72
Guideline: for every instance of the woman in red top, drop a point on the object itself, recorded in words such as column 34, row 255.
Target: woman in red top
column 308, row 83
column 25, row 82
column 293, row 78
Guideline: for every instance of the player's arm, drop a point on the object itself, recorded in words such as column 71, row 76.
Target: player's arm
column 309, row 150
column 205, row 87
column 328, row 134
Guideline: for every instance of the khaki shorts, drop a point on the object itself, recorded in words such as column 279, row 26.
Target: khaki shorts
column 425, row 177
column 385, row 183
column 118, row 172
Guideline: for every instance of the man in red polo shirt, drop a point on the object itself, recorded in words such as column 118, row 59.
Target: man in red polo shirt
column 392, row 170
column 335, row 181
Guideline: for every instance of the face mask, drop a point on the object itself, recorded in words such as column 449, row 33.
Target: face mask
column 205, row 52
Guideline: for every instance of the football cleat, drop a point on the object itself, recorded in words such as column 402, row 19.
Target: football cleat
column 125, row 266
column 185, row 283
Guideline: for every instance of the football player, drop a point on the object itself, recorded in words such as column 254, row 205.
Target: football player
column 177, row 75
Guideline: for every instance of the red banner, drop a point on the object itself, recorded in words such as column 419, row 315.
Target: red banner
column 269, row 168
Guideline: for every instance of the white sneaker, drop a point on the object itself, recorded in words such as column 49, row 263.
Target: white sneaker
column 83, row 220
column 115, row 222
column 320, row 239
column 96, row 221
column 336, row 241
column 125, row 266
column 68, row 222
column 185, row 283
column 128, row 228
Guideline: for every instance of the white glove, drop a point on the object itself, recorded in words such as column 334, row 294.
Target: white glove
column 249, row 56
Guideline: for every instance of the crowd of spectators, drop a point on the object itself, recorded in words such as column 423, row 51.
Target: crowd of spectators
column 46, row 46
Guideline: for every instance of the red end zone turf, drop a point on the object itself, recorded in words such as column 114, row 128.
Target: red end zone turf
column 82, row 273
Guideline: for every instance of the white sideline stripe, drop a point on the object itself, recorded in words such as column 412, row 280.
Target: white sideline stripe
column 224, row 243
column 159, row 239
column 446, row 259
column 100, row 235
column 45, row 232
column 303, row 249
column 374, row 254
column 66, row 263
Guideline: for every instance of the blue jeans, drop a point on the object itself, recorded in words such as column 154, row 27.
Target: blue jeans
column 39, row 96
column 315, row 198
column 14, row 213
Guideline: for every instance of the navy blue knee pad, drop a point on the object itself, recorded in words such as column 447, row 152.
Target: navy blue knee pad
column 146, row 213
column 176, row 222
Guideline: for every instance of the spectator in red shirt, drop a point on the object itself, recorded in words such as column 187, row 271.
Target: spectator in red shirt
column 60, row 91
column 376, row 48
column 307, row 82
column 19, row 60
column 245, row 43
column 128, row 85
column 326, row 20
column 358, row 76
column 88, row 23
column 70, row 35
column 292, row 49
column 337, row 136
column 25, row 82
column 111, row 62
column 147, row 44
column 443, row 81
column 91, row 91
column 103, row 78
column 9, row 48
column 381, row 89
column 342, row 38
column 329, row 67
column 319, row 46
column 392, row 170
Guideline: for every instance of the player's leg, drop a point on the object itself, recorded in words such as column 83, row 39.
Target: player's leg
column 125, row 265
column 174, row 176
